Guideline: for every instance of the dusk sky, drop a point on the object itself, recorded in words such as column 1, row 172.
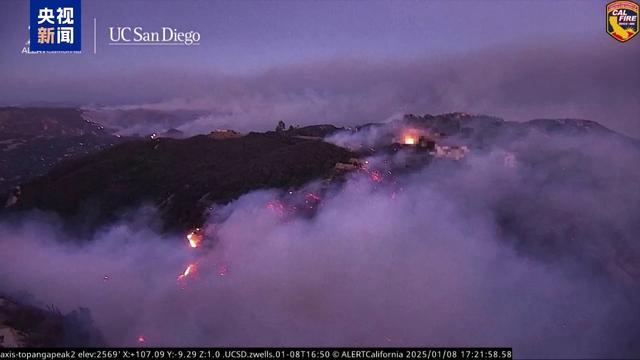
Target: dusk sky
column 312, row 46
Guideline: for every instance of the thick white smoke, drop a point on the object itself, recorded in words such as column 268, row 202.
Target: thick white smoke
column 423, row 261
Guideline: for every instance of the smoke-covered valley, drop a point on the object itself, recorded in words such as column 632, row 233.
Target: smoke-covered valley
column 530, row 241
column 321, row 173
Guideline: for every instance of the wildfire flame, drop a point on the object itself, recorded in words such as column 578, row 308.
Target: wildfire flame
column 375, row 175
column 141, row 339
column 409, row 140
column 187, row 272
column 276, row 206
column 410, row 136
column 312, row 196
column 195, row 238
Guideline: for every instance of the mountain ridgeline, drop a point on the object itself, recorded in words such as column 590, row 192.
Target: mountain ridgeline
column 110, row 174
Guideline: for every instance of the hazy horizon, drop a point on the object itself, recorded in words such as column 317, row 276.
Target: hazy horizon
column 344, row 62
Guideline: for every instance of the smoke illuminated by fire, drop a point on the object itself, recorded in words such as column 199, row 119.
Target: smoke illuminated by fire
column 375, row 247
column 376, row 176
column 276, row 206
column 312, row 197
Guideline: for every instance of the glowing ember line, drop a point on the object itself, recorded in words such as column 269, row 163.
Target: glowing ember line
column 188, row 271
column 276, row 206
column 313, row 196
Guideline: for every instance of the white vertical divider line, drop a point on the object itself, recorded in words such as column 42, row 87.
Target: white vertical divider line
column 94, row 35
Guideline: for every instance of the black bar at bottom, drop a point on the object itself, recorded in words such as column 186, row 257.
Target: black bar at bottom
column 259, row 353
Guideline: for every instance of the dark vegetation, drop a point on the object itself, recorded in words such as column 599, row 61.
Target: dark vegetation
column 33, row 140
column 181, row 177
column 37, row 327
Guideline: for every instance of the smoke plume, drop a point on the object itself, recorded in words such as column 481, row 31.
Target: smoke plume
column 518, row 82
column 539, row 253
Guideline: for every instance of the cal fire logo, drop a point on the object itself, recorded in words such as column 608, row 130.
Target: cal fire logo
column 55, row 25
column 622, row 20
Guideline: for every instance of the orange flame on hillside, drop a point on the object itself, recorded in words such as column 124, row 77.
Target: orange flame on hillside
column 276, row 206
column 190, row 270
column 195, row 238
column 410, row 136
column 409, row 140
column 375, row 176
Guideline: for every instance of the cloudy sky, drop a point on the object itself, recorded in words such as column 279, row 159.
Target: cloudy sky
column 362, row 60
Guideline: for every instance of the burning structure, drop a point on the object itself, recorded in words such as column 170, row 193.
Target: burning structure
column 419, row 136
column 427, row 141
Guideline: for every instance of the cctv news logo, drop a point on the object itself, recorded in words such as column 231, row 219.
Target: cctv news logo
column 126, row 35
column 55, row 25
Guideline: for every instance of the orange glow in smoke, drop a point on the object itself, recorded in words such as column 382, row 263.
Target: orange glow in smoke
column 195, row 238
column 410, row 136
column 409, row 140
column 375, row 175
column 190, row 270
column 276, row 206
column 312, row 196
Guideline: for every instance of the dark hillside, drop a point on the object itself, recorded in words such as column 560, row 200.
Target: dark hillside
column 182, row 177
